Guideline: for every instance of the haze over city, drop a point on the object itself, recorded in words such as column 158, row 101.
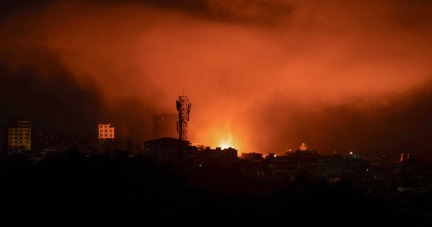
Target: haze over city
column 265, row 75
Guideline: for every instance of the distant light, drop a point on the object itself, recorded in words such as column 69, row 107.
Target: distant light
column 351, row 152
column 367, row 169
column 274, row 156
column 225, row 146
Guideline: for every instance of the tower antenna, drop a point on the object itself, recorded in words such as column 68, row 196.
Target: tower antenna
column 183, row 108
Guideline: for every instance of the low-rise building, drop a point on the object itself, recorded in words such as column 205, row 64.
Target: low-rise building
column 329, row 167
column 168, row 149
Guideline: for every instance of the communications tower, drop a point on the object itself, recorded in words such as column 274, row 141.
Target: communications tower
column 183, row 107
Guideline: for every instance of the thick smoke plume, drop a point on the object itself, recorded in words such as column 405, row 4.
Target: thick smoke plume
column 265, row 74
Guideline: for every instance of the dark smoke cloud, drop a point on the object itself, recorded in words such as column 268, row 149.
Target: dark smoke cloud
column 266, row 74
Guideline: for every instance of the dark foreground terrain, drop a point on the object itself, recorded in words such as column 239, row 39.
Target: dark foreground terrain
column 123, row 184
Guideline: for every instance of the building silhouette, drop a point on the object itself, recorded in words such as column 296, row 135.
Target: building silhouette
column 168, row 149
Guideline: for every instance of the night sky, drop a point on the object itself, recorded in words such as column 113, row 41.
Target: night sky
column 265, row 74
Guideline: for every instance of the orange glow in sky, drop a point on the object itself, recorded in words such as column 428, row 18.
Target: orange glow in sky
column 261, row 75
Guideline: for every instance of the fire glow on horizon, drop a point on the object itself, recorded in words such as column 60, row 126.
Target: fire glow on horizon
column 216, row 137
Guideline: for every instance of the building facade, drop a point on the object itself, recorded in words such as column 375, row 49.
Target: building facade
column 106, row 131
column 18, row 134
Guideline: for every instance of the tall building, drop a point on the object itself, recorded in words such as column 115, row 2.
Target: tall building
column 106, row 131
column 19, row 135
column 165, row 125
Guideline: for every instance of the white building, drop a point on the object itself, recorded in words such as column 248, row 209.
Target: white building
column 106, row 131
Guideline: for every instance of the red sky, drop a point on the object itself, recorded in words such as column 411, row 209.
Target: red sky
column 345, row 76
